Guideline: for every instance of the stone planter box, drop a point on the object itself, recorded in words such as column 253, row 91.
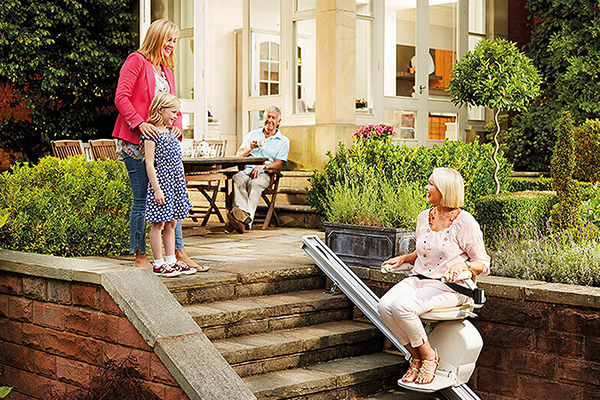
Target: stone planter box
column 367, row 246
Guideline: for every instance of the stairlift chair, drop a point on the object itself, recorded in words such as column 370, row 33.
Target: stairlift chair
column 457, row 341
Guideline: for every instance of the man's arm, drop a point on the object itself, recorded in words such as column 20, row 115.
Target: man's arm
column 274, row 166
column 244, row 152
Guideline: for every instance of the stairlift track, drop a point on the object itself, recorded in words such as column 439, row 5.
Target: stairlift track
column 366, row 301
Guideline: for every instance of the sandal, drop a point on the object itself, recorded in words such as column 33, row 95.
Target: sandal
column 425, row 371
column 413, row 371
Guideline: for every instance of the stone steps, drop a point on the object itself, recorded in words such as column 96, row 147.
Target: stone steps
column 263, row 314
column 271, row 320
column 345, row 378
column 268, row 352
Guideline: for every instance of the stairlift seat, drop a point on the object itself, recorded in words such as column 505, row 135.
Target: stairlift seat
column 450, row 313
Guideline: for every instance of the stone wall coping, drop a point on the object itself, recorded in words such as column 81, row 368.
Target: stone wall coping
column 511, row 288
column 178, row 341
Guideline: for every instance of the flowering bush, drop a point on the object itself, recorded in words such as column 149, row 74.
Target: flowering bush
column 380, row 132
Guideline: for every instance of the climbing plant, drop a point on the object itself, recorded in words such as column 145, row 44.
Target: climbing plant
column 60, row 61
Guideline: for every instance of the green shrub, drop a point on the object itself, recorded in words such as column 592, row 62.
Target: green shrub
column 535, row 184
column 566, row 214
column 384, row 160
column 587, row 151
column 376, row 203
column 510, row 211
column 66, row 207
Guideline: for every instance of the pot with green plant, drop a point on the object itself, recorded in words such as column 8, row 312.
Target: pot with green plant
column 372, row 219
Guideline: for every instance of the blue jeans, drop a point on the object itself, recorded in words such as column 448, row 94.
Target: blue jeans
column 138, row 179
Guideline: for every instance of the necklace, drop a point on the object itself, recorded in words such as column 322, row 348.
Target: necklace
column 433, row 216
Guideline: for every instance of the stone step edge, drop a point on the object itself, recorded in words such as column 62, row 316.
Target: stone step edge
column 264, row 346
column 262, row 307
column 327, row 376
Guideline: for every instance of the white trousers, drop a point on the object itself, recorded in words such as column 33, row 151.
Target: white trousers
column 246, row 191
column 401, row 306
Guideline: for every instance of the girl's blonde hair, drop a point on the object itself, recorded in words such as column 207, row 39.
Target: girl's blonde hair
column 159, row 32
column 450, row 184
column 161, row 100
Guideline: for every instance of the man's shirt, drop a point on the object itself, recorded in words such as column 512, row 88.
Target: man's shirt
column 276, row 147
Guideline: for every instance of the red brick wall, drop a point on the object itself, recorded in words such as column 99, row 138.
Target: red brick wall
column 534, row 350
column 57, row 332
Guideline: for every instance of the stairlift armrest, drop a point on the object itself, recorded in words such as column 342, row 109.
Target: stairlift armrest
column 403, row 268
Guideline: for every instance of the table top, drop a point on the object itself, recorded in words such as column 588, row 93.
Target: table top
column 221, row 162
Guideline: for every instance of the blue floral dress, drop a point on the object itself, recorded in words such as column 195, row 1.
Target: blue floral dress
column 171, row 179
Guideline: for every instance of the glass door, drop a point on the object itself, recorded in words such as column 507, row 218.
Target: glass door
column 421, row 42
column 189, row 66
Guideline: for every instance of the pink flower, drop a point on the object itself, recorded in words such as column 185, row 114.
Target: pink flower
column 378, row 132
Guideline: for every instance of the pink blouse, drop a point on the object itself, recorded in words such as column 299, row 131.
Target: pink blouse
column 461, row 241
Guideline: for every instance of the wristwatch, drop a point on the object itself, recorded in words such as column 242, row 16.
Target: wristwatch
column 468, row 265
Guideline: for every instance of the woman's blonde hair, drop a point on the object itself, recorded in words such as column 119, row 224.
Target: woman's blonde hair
column 161, row 100
column 159, row 32
column 450, row 184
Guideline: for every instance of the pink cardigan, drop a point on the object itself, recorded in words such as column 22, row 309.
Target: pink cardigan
column 135, row 92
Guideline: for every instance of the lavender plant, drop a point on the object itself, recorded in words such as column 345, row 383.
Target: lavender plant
column 560, row 257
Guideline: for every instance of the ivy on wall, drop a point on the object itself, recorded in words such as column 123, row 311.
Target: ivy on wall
column 61, row 59
column 565, row 47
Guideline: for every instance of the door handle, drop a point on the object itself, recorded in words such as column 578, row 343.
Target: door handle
column 421, row 87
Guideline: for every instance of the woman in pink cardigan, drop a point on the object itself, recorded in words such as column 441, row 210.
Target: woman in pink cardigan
column 144, row 74
column 449, row 241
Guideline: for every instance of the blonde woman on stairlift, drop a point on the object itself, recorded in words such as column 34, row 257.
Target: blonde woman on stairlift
column 449, row 241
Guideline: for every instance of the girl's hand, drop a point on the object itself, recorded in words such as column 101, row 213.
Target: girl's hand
column 148, row 130
column 392, row 263
column 454, row 270
column 176, row 131
column 159, row 197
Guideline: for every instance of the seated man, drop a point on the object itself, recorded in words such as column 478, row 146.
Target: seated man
column 249, row 184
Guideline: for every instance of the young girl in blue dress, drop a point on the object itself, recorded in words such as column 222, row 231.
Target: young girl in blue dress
column 167, row 199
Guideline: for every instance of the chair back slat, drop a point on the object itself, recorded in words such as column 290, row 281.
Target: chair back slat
column 103, row 149
column 66, row 148
column 219, row 145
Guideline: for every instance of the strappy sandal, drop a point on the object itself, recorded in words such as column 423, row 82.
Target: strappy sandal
column 425, row 372
column 413, row 371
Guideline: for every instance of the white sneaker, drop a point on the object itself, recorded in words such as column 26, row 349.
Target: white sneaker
column 166, row 270
column 184, row 268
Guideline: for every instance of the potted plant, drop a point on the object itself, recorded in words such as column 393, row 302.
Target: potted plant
column 371, row 213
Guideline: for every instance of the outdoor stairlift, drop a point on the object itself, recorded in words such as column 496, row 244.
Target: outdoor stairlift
column 456, row 340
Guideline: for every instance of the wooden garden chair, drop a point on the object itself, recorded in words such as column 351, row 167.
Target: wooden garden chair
column 103, row 149
column 66, row 148
column 269, row 196
column 208, row 185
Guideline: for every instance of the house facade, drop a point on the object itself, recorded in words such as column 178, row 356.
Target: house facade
column 329, row 65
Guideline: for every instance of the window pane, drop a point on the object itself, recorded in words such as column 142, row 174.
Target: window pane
column 255, row 119
column 403, row 121
column 477, row 16
column 364, row 61
column 182, row 14
column 274, row 88
column 399, row 48
column 364, row 7
column 275, row 72
column 442, row 126
column 265, row 41
column 442, row 52
column 305, row 32
column 304, row 5
column 188, row 125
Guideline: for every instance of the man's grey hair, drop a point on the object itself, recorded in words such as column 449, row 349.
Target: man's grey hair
column 274, row 108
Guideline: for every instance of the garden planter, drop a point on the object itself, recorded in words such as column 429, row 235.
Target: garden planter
column 367, row 246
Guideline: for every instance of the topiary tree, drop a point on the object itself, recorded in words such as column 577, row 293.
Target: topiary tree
column 495, row 75
column 587, row 151
column 60, row 61
column 565, row 214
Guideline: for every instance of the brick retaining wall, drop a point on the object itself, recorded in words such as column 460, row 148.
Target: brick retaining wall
column 58, row 332
column 541, row 340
